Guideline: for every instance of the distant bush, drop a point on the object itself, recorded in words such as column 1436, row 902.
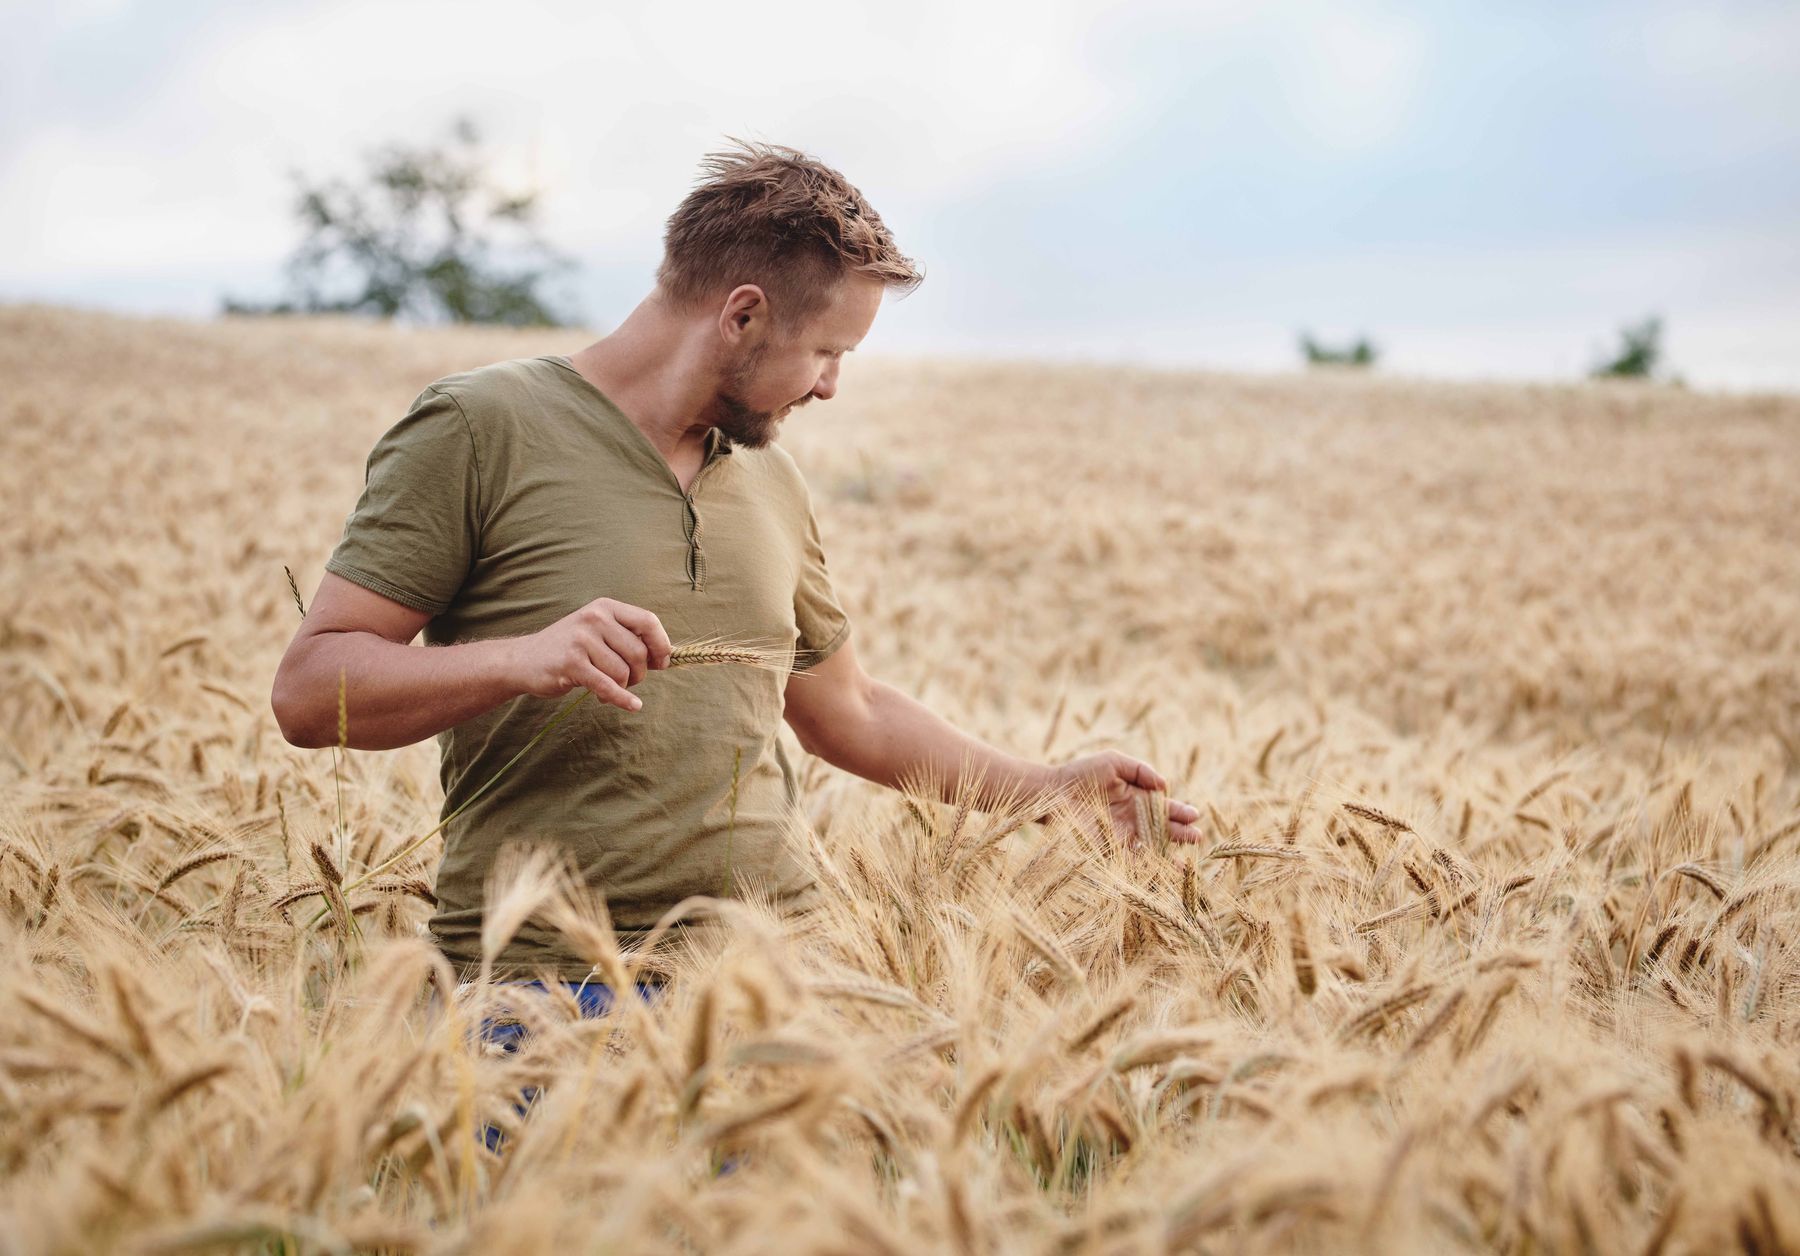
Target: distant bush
column 1360, row 354
column 1638, row 355
column 422, row 235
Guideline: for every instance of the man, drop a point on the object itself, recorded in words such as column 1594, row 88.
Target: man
column 551, row 523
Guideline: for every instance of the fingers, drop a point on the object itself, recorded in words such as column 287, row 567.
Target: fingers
column 630, row 649
column 606, row 689
column 648, row 630
column 1186, row 834
column 1181, row 827
column 1138, row 773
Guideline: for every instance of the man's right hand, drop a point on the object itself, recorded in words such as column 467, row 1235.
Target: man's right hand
column 605, row 647
column 396, row 693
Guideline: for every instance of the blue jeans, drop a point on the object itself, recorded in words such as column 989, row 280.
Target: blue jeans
column 595, row 1000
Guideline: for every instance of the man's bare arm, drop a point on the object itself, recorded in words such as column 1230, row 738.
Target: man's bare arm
column 855, row 722
column 862, row 725
column 397, row 693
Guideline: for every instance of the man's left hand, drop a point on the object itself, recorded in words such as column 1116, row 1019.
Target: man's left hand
column 1120, row 779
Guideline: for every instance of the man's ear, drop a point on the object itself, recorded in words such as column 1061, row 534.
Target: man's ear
column 744, row 315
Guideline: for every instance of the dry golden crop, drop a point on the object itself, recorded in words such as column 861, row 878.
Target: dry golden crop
column 1489, row 697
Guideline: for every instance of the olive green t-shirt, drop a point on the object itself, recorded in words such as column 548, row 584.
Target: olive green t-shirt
column 512, row 495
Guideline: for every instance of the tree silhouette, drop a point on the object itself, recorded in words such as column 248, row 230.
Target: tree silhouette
column 423, row 235
column 1638, row 355
column 1360, row 354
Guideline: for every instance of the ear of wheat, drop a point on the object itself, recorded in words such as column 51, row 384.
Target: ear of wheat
column 715, row 652
column 1153, row 817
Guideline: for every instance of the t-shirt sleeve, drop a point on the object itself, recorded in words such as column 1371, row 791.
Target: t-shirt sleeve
column 416, row 530
column 822, row 623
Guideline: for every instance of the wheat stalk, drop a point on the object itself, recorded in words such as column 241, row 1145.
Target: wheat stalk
column 714, row 654
column 1375, row 816
column 1153, row 817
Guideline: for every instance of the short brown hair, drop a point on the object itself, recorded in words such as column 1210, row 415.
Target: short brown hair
column 786, row 222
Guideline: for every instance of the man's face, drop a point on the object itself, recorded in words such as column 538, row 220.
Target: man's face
column 788, row 369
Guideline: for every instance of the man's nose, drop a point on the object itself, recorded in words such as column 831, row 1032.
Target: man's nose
column 826, row 386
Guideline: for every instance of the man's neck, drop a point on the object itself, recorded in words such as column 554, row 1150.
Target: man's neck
column 653, row 371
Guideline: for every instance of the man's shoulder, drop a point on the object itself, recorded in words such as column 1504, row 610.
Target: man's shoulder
column 498, row 386
column 771, row 458
column 777, row 468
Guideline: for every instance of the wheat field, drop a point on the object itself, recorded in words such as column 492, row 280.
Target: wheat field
column 1489, row 697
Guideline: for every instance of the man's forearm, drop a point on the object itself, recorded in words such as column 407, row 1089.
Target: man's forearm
column 895, row 739
column 394, row 695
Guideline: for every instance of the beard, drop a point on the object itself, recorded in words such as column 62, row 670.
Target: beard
column 736, row 418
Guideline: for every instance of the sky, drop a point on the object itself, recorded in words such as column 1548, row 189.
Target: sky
column 1483, row 190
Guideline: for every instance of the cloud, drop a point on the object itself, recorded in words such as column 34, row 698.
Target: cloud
column 1733, row 70
column 1356, row 79
column 608, row 110
column 1150, row 179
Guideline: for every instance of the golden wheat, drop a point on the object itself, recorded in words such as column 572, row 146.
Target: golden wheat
column 1487, row 945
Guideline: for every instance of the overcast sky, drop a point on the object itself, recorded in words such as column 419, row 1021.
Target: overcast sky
column 1483, row 189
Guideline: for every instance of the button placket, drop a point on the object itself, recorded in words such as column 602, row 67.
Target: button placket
column 696, row 556
column 717, row 448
